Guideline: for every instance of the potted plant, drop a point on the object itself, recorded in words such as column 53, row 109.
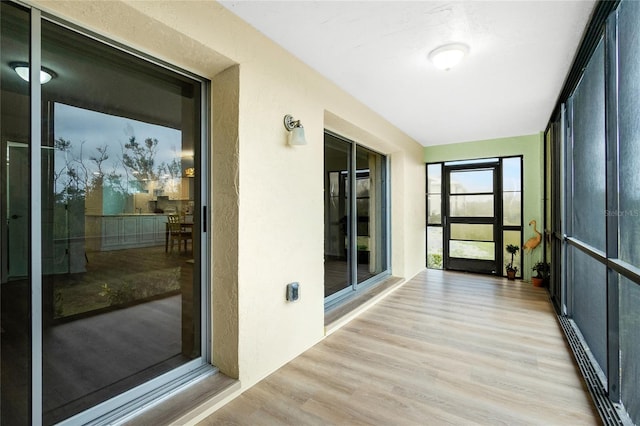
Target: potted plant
column 512, row 270
column 542, row 271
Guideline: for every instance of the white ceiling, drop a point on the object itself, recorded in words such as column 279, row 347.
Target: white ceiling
column 520, row 53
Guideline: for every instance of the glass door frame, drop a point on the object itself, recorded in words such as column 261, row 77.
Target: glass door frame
column 354, row 286
column 501, row 228
column 473, row 265
column 140, row 396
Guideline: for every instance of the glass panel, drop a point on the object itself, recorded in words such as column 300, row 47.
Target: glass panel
column 630, row 347
column 337, row 158
column 512, row 174
column 512, row 208
column 479, row 161
column 434, row 178
column 514, row 238
column 434, row 206
column 589, row 279
column 370, row 196
column 121, row 290
column 472, row 181
column 472, row 250
column 589, row 154
column 434, row 247
column 471, row 205
column 15, row 288
column 629, row 131
column 471, row 232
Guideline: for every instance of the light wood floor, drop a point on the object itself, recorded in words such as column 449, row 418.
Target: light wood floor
column 445, row 348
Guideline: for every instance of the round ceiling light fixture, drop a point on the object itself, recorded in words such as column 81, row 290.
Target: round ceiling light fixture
column 447, row 56
column 22, row 69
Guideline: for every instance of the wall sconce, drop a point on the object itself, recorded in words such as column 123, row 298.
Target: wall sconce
column 190, row 172
column 296, row 135
column 22, row 69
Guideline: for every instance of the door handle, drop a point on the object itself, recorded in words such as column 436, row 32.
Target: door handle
column 15, row 216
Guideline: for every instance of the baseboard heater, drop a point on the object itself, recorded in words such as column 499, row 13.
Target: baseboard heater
column 608, row 411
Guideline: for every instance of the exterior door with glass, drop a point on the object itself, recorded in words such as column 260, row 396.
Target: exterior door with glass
column 471, row 215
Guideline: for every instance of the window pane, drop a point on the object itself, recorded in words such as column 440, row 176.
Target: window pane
column 370, row 199
column 589, row 154
column 472, row 250
column 629, row 131
column 121, row 287
column 434, row 247
column 473, row 181
column 589, row 279
column 15, row 288
column 434, row 206
column 434, row 178
column 471, row 232
column 630, row 347
column 514, row 238
column 512, row 208
column 337, row 158
column 512, row 174
column 471, row 205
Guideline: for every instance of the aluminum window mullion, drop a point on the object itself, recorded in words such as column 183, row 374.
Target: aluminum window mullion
column 36, row 218
column 561, row 211
column 568, row 205
column 612, row 202
column 353, row 223
column 387, row 212
column 596, row 254
column 206, row 223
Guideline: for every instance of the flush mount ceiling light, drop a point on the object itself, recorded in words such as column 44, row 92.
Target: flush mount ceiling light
column 447, row 56
column 22, row 69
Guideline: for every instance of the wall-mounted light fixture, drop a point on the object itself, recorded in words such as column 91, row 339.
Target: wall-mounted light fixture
column 448, row 56
column 190, row 172
column 22, row 69
column 296, row 135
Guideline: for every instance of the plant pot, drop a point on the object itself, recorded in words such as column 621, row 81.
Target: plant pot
column 511, row 275
column 537, row 282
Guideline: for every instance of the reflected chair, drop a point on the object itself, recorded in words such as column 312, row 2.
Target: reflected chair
column 176, row 233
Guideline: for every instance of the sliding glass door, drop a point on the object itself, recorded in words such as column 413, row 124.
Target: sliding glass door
column 355, row 217
column 97, row 300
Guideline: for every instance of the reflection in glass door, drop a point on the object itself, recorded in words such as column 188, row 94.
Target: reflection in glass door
column 471, row 208
column 101, row 300
column 15, row 214
column 337, row 160
column 121, row 288
column 355, row 245
column 17, row 209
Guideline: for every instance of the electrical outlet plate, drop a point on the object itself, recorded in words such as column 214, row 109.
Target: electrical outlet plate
column 293, row 291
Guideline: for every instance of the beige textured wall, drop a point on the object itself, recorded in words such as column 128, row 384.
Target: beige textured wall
column 225, row 220
column 275, row 205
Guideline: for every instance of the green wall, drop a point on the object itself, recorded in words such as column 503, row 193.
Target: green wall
column 531, row 149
